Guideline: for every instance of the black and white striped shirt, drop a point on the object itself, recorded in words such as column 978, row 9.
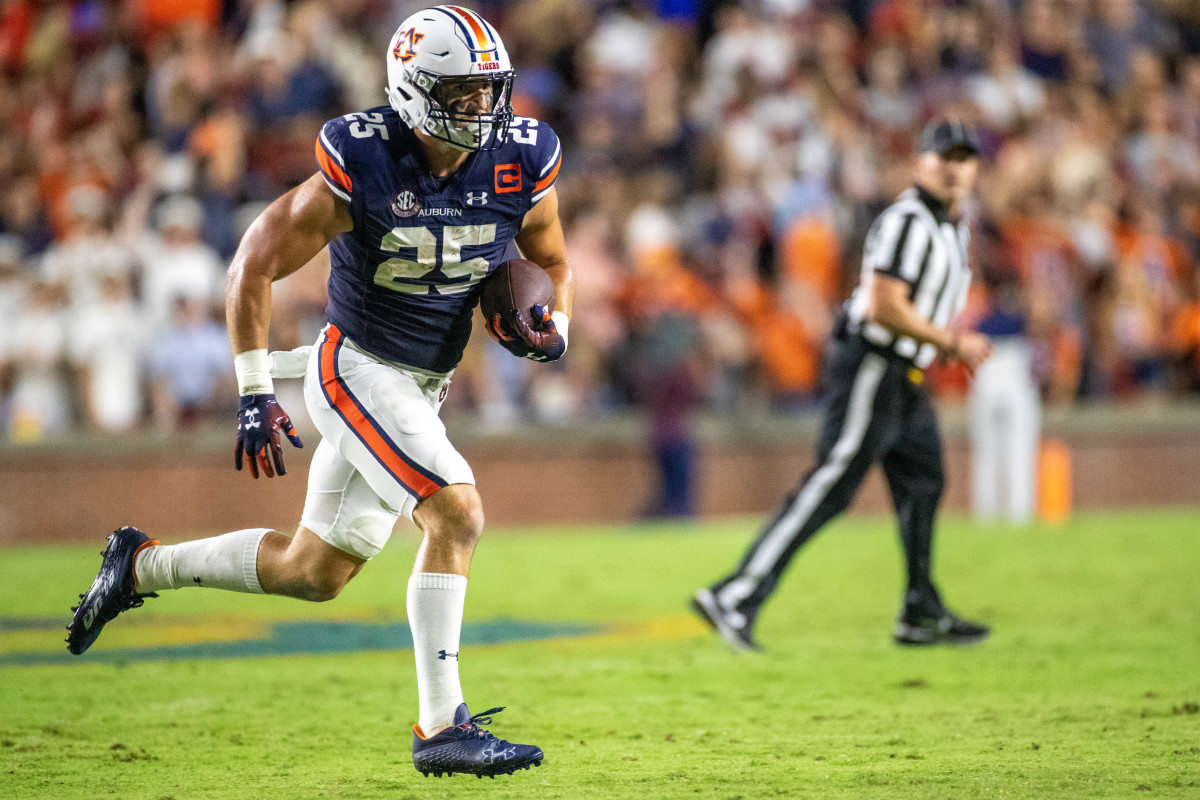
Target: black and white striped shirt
column 914, row 240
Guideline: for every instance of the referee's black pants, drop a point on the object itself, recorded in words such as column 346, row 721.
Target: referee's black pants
column 876, row 409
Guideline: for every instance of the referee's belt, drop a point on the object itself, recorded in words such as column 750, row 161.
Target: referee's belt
column 842, row 332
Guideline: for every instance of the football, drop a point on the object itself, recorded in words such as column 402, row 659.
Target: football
column 515, row 284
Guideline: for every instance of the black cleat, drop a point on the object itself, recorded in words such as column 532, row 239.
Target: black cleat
column 468, row 749
column 946, row 628
column 111, row 592
column 734, row 631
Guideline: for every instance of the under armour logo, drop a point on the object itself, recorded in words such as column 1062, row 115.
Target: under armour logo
column 250, row 418
column 443, row 655
column 492, row 755
column 477, row 198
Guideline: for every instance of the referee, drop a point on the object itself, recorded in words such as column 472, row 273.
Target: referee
column 914, row 282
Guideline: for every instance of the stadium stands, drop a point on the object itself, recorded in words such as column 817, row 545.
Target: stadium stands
column 722, row 162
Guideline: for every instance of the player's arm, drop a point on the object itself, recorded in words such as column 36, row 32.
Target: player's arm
column 888, row 304
column 541, row 241
column 283, row 239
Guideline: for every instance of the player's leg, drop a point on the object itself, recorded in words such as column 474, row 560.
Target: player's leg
column 916, row 477
column 344, row 524
column 447, row 738
column 256, row 560
column 384, row 421
column 253, row 560
column 451, row 522
column 859, row 423
column 307, row 567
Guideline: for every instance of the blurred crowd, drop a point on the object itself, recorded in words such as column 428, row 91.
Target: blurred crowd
column 723, row 161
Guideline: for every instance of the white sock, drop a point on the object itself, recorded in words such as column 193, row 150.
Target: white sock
column 229, row 561
column 435, row 612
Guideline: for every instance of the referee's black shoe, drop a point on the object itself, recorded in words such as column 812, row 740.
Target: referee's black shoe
column 736, row 632
column 916, row 627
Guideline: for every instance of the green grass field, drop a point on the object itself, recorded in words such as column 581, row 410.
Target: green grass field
column 1089, row 687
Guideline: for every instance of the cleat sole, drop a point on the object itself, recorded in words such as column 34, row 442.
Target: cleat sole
column 481, row 775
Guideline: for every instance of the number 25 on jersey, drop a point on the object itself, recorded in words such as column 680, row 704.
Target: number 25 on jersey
column 401, row 274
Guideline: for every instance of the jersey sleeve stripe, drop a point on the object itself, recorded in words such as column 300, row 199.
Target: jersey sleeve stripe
column 331, row 149
column 553, row 159
column 333, row 187
column 333, row 172
column 415, row 479
column 546, row 182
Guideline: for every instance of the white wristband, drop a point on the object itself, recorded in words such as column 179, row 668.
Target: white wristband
column 561, row 321
column 253, row 369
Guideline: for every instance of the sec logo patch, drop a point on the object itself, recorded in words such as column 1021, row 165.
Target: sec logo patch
column 508, row 178
column 405, row 205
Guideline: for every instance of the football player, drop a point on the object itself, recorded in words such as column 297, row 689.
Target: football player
column 417, row 201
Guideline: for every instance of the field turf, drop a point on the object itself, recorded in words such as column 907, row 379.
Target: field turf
column 1089, row 687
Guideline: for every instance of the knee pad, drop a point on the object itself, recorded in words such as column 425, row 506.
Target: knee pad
column 342, row 509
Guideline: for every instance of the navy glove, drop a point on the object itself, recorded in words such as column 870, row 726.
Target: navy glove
column 538, row 340
column 260, row 420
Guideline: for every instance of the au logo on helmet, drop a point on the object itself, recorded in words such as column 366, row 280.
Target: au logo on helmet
column 406, row 44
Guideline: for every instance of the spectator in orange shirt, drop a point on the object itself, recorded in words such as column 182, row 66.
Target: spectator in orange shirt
column 787, row 351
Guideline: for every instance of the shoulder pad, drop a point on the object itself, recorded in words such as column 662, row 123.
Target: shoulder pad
column 540, row 152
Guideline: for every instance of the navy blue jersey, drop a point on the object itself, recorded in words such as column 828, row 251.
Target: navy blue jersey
column 405, row 280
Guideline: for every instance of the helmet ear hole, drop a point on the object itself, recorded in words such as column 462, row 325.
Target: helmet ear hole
column 403, row 93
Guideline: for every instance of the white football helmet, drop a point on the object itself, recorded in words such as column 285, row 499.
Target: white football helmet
column 450, row 45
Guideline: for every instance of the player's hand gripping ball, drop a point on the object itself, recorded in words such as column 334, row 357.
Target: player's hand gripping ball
column 260, row 421
column 515, row 300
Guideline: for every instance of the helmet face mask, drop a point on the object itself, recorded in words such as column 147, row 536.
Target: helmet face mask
column 450, row 78
column 453, row 120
